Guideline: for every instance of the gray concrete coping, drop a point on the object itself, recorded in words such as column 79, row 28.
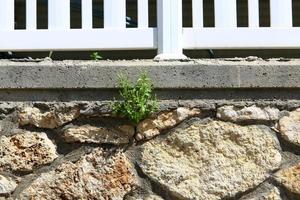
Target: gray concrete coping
column 193, row 74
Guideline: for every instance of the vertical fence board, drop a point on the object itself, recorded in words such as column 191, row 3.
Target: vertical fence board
column 143, row 16
column 87, row 14
column 59, row 14
column 197, row 13
column 114, row 13
column 225, row 13
column 281, row 13
column 253, row 13
column 31, row 14
column 7, row 15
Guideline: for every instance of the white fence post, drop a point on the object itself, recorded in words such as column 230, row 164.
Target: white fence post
column 225, row 14
column 169, row 28
column 59, row 14
column 7, row 21
column 31, row 10
column 281, row 13
column 114, row 13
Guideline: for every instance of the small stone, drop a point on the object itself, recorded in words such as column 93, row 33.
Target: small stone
column 91, row 134
column 50, row 119
column 210, row 160
column 7, row 185
column 26, row 151
column 248, row 114
column 290, row 178
column 265, row 191
column 99, row 175
column 289, row 127
column 151, row 127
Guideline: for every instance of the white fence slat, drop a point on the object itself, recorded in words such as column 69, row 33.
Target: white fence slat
column 7, row 15
column 114, row 13
column 143, row 20
column 225, row 13
column 281, row 13
column 253, row 13
column 58, row 14
column 31, row 14
column 197, row 13
column 87, row 14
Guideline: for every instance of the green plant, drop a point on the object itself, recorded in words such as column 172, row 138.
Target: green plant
column 95, row 56
column 138, row 101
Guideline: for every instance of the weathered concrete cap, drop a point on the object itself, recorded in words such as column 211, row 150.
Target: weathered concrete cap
column 193, row 74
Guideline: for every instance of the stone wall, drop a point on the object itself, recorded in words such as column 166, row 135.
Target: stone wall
column 202, row 150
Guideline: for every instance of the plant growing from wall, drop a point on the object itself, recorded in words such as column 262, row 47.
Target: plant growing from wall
column 95, row 56
column 138, row 100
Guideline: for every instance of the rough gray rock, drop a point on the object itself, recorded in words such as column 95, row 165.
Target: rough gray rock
column 210, row 160
column 99, row 175
column 7, row 185
column 290, row 179
column 265, row 191
column 49, row 119
column 289, row 127
column 248, row 114
column 26, row 151
column 151, row 127
column 92, row 134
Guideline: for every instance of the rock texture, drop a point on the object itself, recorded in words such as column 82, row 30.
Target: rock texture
column 289, row 127
column 49, row 119
column 7, row 185
column 151, row 127
column 210, row 160
column 247, row 114
column 99, row 175
column 290, row 178
column 26, row 151
column 91, row 134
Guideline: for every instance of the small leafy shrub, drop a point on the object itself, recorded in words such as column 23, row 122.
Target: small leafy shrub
column 95, row 56
column 138, row 101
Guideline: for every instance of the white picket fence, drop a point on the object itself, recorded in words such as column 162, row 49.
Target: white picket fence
column 169, row 38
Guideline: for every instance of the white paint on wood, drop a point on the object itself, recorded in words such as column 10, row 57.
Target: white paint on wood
column 143, row 17
column 7, row 15
column 77, row 39
column 281, row 13
column 31, row 14
column 114, row 13
column 225, row 13
column 197, row 13
column 87, row 14
column 59, row 14
column 169, row 24
column 253, row 13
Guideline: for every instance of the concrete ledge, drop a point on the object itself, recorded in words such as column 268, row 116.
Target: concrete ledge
column 194, row 74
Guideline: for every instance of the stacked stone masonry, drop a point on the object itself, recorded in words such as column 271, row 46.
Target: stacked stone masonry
column 188, row 150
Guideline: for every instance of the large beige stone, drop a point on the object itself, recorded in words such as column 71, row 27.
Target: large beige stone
column 26, row 151
column 151, row 127
column 289, row 127
column 252, row 113
column 290, row 178
column 91, row 134
column 210, row 160
column 98, row 175
column 50, row 119
column 7, row 185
